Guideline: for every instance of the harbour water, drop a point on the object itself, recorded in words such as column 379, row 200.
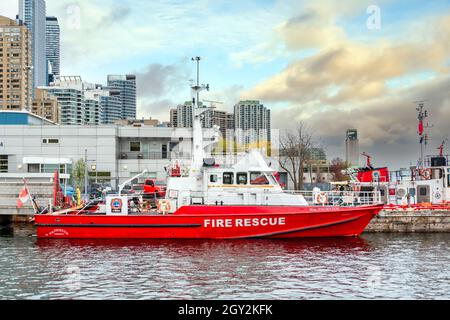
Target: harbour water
column 381, row 266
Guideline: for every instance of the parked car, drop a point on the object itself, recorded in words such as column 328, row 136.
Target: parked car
column 154, row 187
column 138, row 188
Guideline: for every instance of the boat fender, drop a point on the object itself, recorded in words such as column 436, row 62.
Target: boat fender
column 321, row 198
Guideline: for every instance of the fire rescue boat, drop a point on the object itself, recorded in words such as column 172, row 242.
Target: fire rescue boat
column 208, row 201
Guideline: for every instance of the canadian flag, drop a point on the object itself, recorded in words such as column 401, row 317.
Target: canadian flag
column 24, row 196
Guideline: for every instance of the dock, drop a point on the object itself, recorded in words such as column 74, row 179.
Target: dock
column 410, row 221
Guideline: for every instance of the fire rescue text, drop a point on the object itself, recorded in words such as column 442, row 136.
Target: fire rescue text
column 249, row 222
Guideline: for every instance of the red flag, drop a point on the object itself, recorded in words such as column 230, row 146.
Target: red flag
column 420, row 128
column 24, row 196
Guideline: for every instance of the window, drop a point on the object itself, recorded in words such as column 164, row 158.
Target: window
column 34, row 167
column 412, row 192
column 135, row 146
column 50, row 141
column 3, row 163
column 213, row 178
column 228, row 178
column 423, row 191
column 241, row 178
column 258, row 178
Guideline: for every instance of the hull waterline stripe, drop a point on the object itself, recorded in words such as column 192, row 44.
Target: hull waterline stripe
column 120, row 225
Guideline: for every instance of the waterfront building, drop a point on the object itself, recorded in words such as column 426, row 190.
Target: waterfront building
column 52, row 34
column 173, row 118
column 15, row 65
column 22, row 117
column 138, row 122
column 46, row 106
column 114, row 152
column 33, row 15
column 69, row 91
column 252, row 125
column 126, row 86
column 352, row 147
column 181, row 117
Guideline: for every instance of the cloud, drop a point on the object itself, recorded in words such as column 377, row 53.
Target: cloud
column 157, row 80
column 156, row 109
column 387, row 126
column 371, row 85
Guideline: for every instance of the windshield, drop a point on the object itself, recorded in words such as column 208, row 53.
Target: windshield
column 258, row 178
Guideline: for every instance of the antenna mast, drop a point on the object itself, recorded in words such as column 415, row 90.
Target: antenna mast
column 422, row 115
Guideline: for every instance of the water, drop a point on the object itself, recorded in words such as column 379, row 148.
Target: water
column 383, row 266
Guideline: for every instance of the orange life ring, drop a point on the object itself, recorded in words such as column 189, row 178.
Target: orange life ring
column 163, row 205
column 321, row 198
column 425, row 173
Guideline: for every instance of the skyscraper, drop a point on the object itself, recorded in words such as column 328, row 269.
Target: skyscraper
column 252, row 125
column 15, row 65
column 352, row 147
column 32, row 13
column 53, row 44
column 126, row 84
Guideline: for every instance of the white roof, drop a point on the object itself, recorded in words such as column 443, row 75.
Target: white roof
column 41, row 160
column 253, row 161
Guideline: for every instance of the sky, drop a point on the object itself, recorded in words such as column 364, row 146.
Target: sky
column 332, row 64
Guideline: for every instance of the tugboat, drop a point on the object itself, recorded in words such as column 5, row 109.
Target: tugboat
column 207, row 201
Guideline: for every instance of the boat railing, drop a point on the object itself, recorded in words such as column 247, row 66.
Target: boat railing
column 340, row 198
column 314, row 198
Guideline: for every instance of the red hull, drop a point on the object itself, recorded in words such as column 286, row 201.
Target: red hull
column 214, row 222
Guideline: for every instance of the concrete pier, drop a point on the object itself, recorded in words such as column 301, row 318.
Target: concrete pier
column 9, row 192
column 411, row 221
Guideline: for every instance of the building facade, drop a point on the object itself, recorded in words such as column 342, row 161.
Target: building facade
column 52, row 49
column 46, row 106
column 126, row 86
column 252, row 125
column 33, row 15
column 15, row 65
column 352, row 147
column 114, row 153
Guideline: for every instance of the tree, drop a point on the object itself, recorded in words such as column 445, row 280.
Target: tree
column 78, row 173
column 295, row 151
column 336, row 167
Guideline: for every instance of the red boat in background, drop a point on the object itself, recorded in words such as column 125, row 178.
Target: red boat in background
column 208, row 201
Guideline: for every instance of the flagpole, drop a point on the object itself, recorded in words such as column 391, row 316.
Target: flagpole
column 31, row 197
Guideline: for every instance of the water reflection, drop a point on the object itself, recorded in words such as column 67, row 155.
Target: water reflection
column 374, row 266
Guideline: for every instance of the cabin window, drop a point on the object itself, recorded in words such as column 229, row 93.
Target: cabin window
column 241, row 178
column 213, row 178
column 448, row 178
column 422, row 191
column 228, row 178
column 258, row 178
column 412, row 192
